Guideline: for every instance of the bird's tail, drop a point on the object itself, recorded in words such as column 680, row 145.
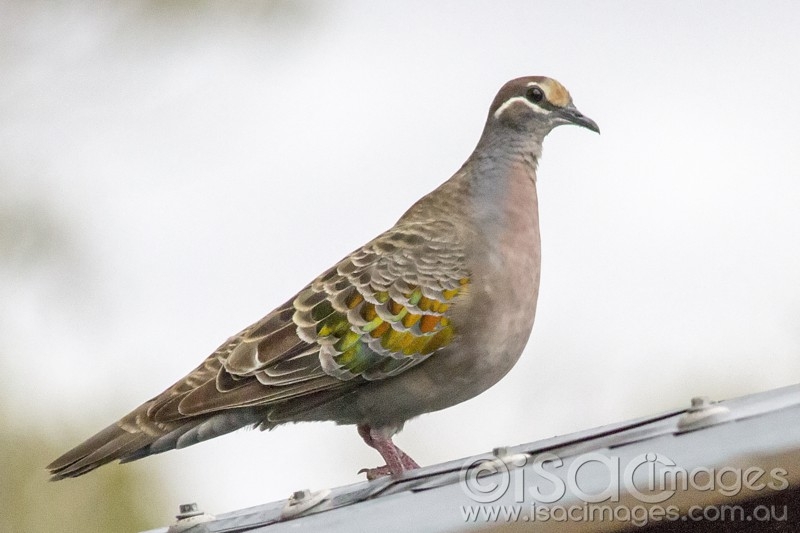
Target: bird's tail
column 134, row 437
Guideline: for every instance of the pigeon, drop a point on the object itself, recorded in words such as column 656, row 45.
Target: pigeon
column 430, row 313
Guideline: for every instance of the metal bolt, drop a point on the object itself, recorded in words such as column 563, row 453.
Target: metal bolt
column 188, row 510
column 300, row 495
column 700, row 402
column 189, row 517
column 702, row 413
column 500, row 451
column 301, row 501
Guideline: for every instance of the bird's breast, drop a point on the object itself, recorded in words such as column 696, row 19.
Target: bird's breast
column 494, row 320
column 507, row 262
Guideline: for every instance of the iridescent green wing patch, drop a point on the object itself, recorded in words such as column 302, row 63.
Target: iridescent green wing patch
column 385, row 307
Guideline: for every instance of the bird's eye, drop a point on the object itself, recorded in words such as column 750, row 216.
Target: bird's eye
column 535, row 94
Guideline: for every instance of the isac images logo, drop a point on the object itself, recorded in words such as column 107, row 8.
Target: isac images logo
column 589, row 488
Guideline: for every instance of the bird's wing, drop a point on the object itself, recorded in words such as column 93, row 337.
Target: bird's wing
column 378, row 312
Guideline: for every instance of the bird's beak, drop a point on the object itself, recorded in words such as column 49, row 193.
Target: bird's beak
column 571, row 114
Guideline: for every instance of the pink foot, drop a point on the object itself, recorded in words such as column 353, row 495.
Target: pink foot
column 375, row 473
column 397, row 461
column 407, row 462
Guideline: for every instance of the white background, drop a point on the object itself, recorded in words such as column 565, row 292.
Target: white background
column 193, row 167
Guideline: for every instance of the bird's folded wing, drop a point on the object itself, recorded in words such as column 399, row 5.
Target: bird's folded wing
column 379, row 311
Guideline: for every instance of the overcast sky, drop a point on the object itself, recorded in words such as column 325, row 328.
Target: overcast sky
column 196, row 167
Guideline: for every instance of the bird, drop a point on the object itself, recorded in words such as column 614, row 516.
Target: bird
column 430, row 313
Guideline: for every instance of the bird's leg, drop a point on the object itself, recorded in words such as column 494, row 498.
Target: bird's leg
column 397, row 461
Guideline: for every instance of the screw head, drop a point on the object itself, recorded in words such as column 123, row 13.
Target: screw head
column 702, row 413
column 187, row 507
column 188, row 510
column 500, row 451
column 300, row 495
column 699, row 402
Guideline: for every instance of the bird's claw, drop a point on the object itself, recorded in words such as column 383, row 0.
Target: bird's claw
column 375, row 473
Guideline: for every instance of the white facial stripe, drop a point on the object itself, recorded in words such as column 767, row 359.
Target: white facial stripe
column 535, row 108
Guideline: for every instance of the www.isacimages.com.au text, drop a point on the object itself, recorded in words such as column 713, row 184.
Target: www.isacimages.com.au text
column 638, row 515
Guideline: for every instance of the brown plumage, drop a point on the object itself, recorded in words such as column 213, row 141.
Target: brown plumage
column 428, row 314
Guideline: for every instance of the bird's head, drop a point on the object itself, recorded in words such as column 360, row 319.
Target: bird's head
column 535, row 105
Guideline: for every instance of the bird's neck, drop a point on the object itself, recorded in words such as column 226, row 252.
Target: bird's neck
column 502, row 148
column 489, row 190
column 502, row 188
